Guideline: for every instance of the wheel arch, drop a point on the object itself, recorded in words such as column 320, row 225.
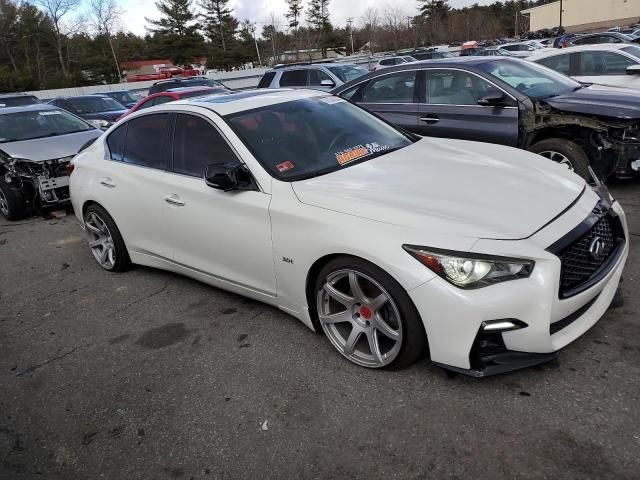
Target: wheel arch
column 575, row 133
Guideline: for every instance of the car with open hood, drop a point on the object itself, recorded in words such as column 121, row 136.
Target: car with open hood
column 509, row 101
column 37, row 143
column 479, row 257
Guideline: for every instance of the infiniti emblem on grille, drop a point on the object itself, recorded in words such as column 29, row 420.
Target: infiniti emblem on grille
column 596, row 249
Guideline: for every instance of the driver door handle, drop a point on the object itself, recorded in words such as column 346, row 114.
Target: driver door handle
column 173, row 199
column 107, row 182
column 430, row 119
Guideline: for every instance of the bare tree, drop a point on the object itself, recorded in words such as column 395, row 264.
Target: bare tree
column 105, row 16
column 57, row 10
column 370, row 22
column 275, row 22
column 394, row 20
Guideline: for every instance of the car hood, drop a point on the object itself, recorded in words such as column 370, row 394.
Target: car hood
column 111, row 116
column 623, row 103
column 49, row 148
column 462, row 188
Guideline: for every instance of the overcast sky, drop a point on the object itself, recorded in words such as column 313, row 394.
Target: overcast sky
column 259, row 10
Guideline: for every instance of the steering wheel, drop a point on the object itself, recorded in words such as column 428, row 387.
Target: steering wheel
column 340, row 136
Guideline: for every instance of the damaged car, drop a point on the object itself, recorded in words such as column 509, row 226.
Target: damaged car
column 37, row 143
column 511, row 102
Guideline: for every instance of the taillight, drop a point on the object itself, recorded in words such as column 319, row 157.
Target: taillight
column 70, row 167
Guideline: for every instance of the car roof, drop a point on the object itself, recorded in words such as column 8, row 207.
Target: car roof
column 93, row 95
column 28, row 108
column 197, row 88
column 579, row 48
column 242, row 101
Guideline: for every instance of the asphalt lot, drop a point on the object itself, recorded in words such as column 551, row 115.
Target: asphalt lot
column 149, row 375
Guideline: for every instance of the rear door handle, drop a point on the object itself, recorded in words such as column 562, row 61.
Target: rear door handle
column 430, row 119
column 107, row 182
column 174, row 200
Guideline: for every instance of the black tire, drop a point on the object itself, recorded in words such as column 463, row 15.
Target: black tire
column 122, row 260
column 414, row 342
column 15, row 206
column 571, row 150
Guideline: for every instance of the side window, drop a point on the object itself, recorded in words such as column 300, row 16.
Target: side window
column 394, row 88
column 115, row 142
column 559, row 63
column 162, row 99
column 603, row 63
column 387, row 62
column 266, row 80
column 316, row 77
column 456, row 88
column 147, row 104
column 145, row 144
column 349, row 94
column 294, row 78
column 196, row 144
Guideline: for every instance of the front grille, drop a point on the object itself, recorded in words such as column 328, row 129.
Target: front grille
column 582, row 261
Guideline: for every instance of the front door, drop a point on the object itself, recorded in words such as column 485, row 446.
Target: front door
column 224, row 234
column 450, row 109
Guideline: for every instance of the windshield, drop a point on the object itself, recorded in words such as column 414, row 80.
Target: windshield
column 18, row 101
column 633, row 50
column 95, row 104
column 33, row 124
column 314, row 136
column 346, row 73
column 532, row 80
column 125, row 97
column 445, row 55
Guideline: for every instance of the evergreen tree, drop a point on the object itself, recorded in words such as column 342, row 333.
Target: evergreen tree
column 293, row 15
column 219, row 24
column 175, row 34
column 318, row 19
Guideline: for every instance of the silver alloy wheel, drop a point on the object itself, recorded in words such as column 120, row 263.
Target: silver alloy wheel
column 558, row 158
column 100, row 240
column 360, row 318
column 4, row 205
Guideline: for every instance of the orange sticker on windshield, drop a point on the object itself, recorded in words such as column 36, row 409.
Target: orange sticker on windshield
column 351, row 154
column 284, row 166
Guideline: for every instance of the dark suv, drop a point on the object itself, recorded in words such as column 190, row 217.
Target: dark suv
column 511, row 102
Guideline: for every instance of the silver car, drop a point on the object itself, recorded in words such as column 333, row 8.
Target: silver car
column 37, row 143
column 319, row 76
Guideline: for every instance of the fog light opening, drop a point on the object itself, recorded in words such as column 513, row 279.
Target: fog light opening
column 504, row 325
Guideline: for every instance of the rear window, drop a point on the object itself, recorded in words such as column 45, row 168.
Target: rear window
column 266, row 80
column 19, row 101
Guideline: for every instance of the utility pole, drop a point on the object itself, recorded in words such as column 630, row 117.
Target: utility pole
column 515, row 30
column 560, row 15
column 253, row 32
column 349, row 22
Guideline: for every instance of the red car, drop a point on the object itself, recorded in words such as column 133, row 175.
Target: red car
column 172, row 95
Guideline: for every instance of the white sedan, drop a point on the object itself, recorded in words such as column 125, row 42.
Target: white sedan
column 480, row 257
column 614, row 64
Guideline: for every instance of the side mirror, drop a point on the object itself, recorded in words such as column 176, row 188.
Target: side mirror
column 327, row 83
column 633, row 70
column 495, row 99
column 228, row 176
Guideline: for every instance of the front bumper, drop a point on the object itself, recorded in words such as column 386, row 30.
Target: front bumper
column 454, row 318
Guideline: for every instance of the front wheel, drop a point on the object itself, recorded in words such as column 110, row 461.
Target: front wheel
column 566, row 153
column 367, row 316
column 12, row 204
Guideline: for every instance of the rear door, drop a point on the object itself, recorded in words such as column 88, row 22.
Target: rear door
column 393, row 96
column 297, row 78
column 449, row 108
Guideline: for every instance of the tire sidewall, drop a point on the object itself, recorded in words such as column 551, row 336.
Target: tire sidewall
column 17, row 208
column 123, row 262
column 576, row 155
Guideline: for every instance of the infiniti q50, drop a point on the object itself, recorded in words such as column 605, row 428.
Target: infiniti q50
column 482, row 258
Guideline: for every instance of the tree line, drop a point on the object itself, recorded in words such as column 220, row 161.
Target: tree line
column 50, row 44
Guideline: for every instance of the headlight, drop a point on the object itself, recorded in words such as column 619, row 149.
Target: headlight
column 470, row 270
column 99, row 123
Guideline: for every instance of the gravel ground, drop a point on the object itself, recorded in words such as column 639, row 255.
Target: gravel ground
column 149, row 375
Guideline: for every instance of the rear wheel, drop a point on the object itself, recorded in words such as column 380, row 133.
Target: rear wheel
column 105, row 240
column 367, row 315
column 12, row 204
column 566, row 153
